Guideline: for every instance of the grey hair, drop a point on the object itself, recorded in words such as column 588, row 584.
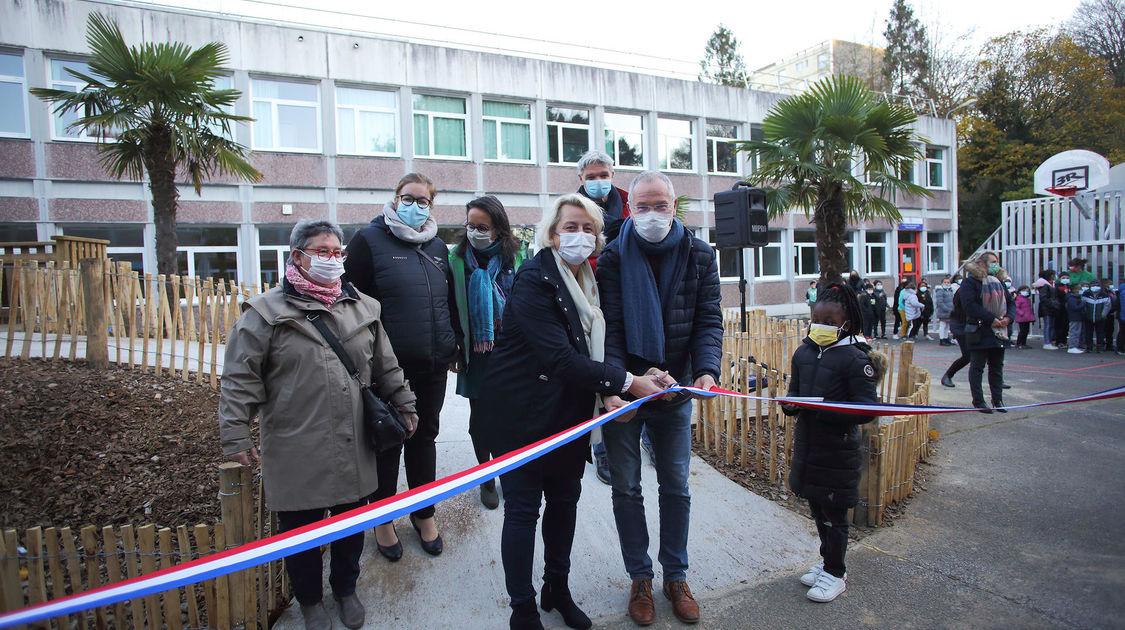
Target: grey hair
column 306, row 229
column 551, row 218
column 646, row 176
column 593, row 156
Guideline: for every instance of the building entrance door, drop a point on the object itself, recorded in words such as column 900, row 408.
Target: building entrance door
column 908, row 255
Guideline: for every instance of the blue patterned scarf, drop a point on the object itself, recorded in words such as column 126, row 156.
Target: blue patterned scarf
column 649, row 296
column 486, row 299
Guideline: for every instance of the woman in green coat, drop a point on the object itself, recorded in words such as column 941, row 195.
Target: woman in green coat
column 484, row 265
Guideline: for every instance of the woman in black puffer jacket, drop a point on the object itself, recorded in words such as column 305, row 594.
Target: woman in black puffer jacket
column 827, row 451
column 399, row 260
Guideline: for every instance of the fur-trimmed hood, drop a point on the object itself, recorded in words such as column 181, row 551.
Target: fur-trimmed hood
column 980, row 272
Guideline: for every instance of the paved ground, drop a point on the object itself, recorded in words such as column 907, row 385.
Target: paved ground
column 1021, row 526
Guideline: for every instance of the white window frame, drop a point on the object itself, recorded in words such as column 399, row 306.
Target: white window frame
column 225, row 82
column 21, row 81
column 614, row 154
column 870, row 247
column 713, row 149
column 356, row 109
column 939, row 161
column 798, row 271
column 710, row 238
column 500, row 120
column 559, row 126
column 662, row 145
column 236, row 249
column 851, row 249
column 275, row 132
column 801, row 65
column 822, row 61
column 759, row 257
column 430, row 115
column 930, row 247
column 73, row 85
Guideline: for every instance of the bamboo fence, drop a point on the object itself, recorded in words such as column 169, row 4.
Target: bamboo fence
column 165, row 325
column 49, row 563
column 756, row 436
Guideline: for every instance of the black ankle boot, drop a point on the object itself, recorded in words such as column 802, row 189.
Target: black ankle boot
column 556, row 594
column 525, row 617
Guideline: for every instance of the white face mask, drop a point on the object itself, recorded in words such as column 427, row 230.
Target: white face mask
column 479, row 239
column 652, row 226
column 574, row 247
column 325, row 271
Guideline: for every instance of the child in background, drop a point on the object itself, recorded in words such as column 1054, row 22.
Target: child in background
column 927, row 301
column 1095, row 306
column 1062, row 315
column 1025, row 314
column 1076, row 313
column 943, row 308
column 911, row 311
column 835, row 364
column 866, row 298
column 881, row 309
column 810, row 296
column 1120, row 321
column 1044, row 289
column 900, row 310
column 1110, row 322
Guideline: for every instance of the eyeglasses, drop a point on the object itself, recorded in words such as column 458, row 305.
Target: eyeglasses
column 658, row 208
column 422, row 202
column 325, row 254
column 478, row 228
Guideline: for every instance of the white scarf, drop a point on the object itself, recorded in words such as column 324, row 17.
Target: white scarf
column 584, row 291
column 404, row 232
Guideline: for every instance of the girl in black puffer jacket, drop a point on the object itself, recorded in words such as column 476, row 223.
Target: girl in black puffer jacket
column 834, row 364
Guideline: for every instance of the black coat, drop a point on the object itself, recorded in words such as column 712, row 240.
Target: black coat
column 540, row 377
column 880, row 301
column 827, row 451
column 867, row 304
column 412, row 282
column 927, row 301
column 978, row 319
column 693, row 321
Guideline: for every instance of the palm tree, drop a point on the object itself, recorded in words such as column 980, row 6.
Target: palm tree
column 155, row 109
column 811, row 143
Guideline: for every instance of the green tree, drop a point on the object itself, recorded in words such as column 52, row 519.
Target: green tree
column 722, row 63
column 906, row 60
column 805, row 160
column 155, row 110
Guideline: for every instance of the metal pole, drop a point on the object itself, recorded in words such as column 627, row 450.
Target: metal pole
column 742, row 283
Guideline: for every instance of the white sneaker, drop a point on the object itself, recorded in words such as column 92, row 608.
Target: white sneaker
column 1076, row 351
column 809, row 579
column 827, row 588
column 929, row 337
column 894, row 336
column 1050, row 346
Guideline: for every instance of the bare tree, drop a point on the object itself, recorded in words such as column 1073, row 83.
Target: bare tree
column 1099, row 27
column 722, row 63
column 953, row 60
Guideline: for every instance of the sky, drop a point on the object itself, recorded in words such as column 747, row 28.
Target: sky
column 654, row 37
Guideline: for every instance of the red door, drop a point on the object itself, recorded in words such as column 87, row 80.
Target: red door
column 908, row 255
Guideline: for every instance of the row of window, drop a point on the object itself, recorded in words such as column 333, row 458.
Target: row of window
column 769, row 262
column 287, row 118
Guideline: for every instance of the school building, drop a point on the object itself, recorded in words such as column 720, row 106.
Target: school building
column 340, row 117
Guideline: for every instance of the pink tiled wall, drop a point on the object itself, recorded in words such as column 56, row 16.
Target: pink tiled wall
column 368, row 172
column 97, row 210
column 290, row 169
column 449, row 175
column 209, row 212
column 18, row 209
column 510, row 178
column 17, row 159
column 269, row 212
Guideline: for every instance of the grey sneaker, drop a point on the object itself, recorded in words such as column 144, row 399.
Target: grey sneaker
column 601, row 469
column 351, row 611
column 316, row 617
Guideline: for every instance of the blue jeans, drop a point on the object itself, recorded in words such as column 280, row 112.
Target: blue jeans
column 1048, row 329
column 670, row 430
column 1074, row 339
column 599, row 448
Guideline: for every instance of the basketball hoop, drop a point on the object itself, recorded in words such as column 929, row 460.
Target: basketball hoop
column 1062, row 191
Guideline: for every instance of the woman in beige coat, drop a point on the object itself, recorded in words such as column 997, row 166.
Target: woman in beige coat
column 280, row 368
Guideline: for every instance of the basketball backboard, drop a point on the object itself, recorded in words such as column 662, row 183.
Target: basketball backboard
column 1070, row 172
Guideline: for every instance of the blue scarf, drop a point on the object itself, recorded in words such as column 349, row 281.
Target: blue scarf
column 486, row 299
column 648, row 296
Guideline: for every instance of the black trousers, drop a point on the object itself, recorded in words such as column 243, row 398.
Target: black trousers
column 305, row 569
column 1062, row 325
column 881, row 321
column 994, row 359
column 868, row 325
column 1121, row 336
column 1109, row 325
column 961, row 361
column 898, row 321
column 419, row 454
column 524, row 490
column 1093, row 333
column 832, row 526
column 914, row 326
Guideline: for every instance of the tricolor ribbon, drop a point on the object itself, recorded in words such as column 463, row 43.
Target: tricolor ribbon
column 323, row 532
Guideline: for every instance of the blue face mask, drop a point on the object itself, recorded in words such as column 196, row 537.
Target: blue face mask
column 412, row 215
column 598, row 188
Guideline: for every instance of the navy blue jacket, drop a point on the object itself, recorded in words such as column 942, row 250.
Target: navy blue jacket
column 540, row 377
column 693, row 321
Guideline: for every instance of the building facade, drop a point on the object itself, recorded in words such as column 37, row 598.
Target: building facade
column 340, row 117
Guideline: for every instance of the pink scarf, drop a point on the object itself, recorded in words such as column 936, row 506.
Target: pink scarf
column 303, row 285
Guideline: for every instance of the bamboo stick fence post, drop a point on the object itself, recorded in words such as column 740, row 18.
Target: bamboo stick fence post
column 230, row 497
column 97, row 324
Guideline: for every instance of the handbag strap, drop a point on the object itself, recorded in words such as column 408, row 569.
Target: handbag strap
column 334, row 343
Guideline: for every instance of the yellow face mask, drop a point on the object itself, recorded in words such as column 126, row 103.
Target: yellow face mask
column 824, row 335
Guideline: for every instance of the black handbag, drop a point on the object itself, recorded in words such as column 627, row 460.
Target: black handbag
column 383, row 427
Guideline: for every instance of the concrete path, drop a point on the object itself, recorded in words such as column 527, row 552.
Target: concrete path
column 736, row 538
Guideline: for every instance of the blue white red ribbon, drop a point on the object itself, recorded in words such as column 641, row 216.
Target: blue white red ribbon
column 323, row 532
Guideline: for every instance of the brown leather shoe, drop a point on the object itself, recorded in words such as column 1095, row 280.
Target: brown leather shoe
column 641, row 609
column 683, row 604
